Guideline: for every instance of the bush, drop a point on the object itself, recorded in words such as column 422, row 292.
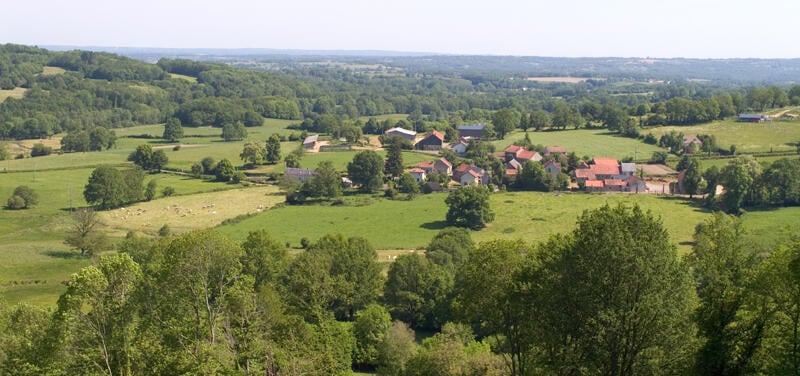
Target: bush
column 164, row 230
column 23, row 197
column 16, row 203
column 176, row 148
column 650, row 139
column 304, row 242
column 239, row 177
column 168, row 191
column 40, row 150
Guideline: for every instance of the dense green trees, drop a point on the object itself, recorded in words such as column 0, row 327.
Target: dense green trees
column 252, row 153
column 366, row 170
column 93, row 139
column 110, row 188
column 469, row 207
column 148, row 159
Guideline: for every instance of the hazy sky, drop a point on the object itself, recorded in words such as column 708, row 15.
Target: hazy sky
column 628, row 28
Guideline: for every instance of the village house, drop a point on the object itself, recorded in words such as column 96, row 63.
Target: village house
column 691, row 143
column 443, row 166
column 310, row 142
column 560, row 150
column 401, row 132
column 475, row 131
column 418, row 174
column 553, row 167
column 432, row 141
column 627, row 170
column 605, row 168
column 635, row 184
column 467, row 174
column 460, row 147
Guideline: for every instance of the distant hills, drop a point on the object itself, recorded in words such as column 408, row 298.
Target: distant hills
column 748, row 71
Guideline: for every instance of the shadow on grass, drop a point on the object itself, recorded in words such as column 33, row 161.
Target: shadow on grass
column 66, row 255
column 435, row 225
column 698, row 204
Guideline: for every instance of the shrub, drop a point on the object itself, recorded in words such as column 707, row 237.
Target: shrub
column 176, row 148
column 164, row 230
column 168, row 191
column 16, row 203
column 304, row 242
column 40, row 150
column 23, row 197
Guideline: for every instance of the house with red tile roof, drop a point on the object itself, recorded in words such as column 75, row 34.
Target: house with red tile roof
column 443, row 166
column 552, row 167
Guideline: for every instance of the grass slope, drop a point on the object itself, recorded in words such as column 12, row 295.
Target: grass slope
column 591, row 142
column 748, row 137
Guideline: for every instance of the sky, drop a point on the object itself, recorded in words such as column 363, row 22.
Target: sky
column 568, row 28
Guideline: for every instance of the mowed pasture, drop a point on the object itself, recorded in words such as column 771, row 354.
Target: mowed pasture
column 531, row 216
column 589, row 142
column 190, row 212
column 16, row 92
column 748, row 137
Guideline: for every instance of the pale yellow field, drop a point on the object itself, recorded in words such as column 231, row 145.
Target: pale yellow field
column 186, row 213
column 16, row 92
column 51, row 71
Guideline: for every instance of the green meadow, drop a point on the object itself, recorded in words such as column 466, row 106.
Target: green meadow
column 776, row 135
column 590, row 142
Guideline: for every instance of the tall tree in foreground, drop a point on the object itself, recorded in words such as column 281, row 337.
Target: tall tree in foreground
column 627, row 294
column 724, row 268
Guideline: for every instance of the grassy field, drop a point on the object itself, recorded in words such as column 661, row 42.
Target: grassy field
column 748, row 137
column 591, row 142
column 389, row 224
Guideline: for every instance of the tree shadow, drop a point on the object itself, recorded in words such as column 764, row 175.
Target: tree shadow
column 435, row 225
column 66, row 255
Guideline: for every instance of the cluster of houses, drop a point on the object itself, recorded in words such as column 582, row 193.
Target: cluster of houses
column 600, row 175
column 608, row 175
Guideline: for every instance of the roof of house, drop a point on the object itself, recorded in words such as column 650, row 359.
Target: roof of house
column 515, row 164
column 436, row 134
column 594, row 184
column 606, row 161
column 400, row 130
column 513, row 149
column 462, row 167
column 692, row 139
column 310, row 139
column 553, row 162
column 528, row 155
column 750, row 116
column 426, row 165
column 445, row 162
column 633, row 180
column 584, row 174
column 555, row 149
column 512, row 171
column 628, row 167
column 614, row 182
column 472, row 127
column 474, row 173
column 416, row 170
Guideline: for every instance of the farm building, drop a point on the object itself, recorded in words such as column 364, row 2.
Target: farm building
column 443, row 166
column 521, row 154
column 475, row 131
column 301, row 174
column 311, row 141
column 433, row 141
column 401, row 132
column 555, row 150
column 752, row 118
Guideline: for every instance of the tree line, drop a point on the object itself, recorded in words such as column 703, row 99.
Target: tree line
column 609, row 297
